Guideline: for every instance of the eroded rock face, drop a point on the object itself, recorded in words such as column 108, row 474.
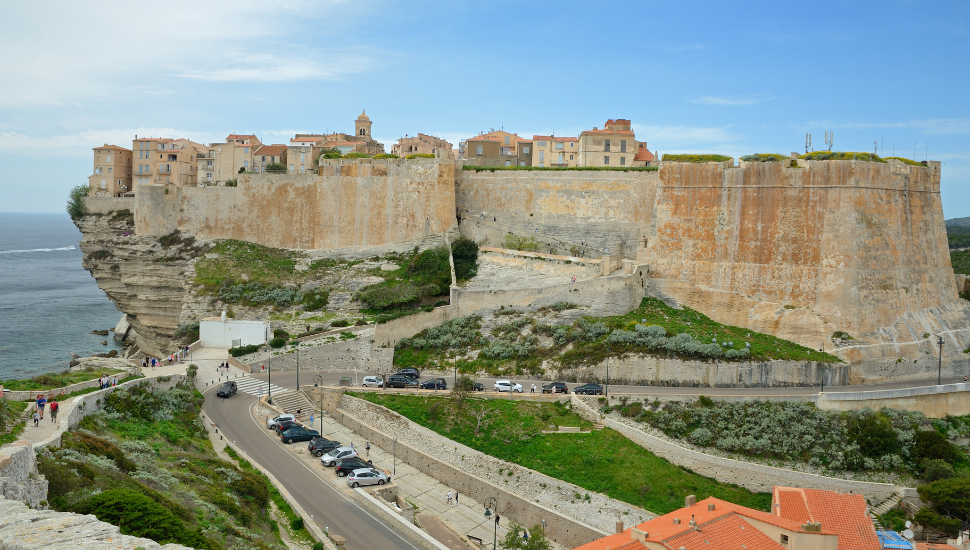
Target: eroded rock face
column 144, row 279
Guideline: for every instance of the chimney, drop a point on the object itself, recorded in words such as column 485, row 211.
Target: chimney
column 710, row 507
column 689, row 501
column 676, row 521
column 619, row 527
column 692, row 522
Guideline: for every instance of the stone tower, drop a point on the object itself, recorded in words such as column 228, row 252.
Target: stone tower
column 362, row 126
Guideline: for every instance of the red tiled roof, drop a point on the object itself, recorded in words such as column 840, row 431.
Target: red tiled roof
column 495, row 136
column 844, row 514
column 931, row 546
column 725, row 533
column 106, row 146
column 613, row 542
column 273, row 150
column 792, row 506
column 551, row 138
column 240, row 136
column 644, row 154
column 623, row 132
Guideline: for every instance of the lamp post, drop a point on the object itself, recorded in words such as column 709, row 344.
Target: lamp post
column 606, row 392
column 297, row 369
column 269, row 385
column 456, row 370
column 395, row 456
column 821, row 374
column 490, row 504
column 939, row 371
column 318, row 381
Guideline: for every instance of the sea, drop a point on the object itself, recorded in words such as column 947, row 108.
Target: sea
column 49, row 304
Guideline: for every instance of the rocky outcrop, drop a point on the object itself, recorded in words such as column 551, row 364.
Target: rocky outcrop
column 19, row 480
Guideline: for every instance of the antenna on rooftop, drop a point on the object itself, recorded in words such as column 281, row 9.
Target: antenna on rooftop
column 829, row 138
column 808, row 142
column 876, row 145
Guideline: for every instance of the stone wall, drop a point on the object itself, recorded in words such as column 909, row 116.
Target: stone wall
column 390, row 333
column 26, row 395
column 18, row 474
column 751, row 476
column 107, row 205
column 933, row 401
column 355, row 203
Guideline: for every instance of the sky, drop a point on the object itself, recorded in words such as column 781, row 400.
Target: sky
column 733, row 78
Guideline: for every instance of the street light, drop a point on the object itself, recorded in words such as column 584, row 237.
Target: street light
column 821, row 372
column 607, row 391
column 269, row 385
column 297, row 369
column 492, row 503
column 939, row 372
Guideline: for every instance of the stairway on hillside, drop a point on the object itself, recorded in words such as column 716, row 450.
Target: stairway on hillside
column 881, row 509
column 291, row 401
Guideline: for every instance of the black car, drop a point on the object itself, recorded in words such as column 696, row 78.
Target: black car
column 435, row 384
column 409, row 371
column 479, row 386
column 298, row 434
column 228, row 389
column 281, row 427
column 588, row 389
column 346, row 465
column 320, row 445
column 555, row 387
column 401, row 381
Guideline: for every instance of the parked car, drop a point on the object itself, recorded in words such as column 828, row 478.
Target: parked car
column 284, row 425
column 435, row 384
column 401, row 381
column 333, row 456
column 272, row 422
column 410, row 371
column 507, row 385
column 479, row 386
column 372, row 382
column 228, row 389
column 345, row 466
column 320, row 445
column 588, row 389
column 367, row 476
column 298, row 434
column 555, row 387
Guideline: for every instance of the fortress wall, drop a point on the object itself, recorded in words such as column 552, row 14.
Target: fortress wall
column 107, row 205
column 347, row 204
column 801, row 253
column 605, row 209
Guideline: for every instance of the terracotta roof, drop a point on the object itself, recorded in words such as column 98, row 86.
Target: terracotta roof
column 619, row 541
column 240, row 136
column 725, row 533
column 272, row 150
column 106, row 146
column 551, row 138
column 623, row 132
column 931, row 546
column 495, row 136
column 844, row 514
column 644, row 154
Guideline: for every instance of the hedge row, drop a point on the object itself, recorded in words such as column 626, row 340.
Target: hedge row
column 562, row 169
column 695, row 158
column 764, row 157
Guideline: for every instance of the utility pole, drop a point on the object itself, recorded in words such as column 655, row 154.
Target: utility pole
column 297, row 369
column 269, row 385
column 939, row 371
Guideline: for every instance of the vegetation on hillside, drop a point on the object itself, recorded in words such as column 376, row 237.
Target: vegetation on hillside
column 75, row 202
column 522, row 342
column 49, row 381
column 145, row 463
column 10, row 414
column 602, row 461
column 764, row 157
column 841, row 155
column 958, row 236
column 695, row 158
column 960, row 260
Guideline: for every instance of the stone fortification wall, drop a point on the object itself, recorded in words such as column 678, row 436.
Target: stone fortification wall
column 801, row 253
column 388, row 334
column 933, row 401
column 18, row 474
column 25, row 395
column 350, row 203
column 604, row 209
column 107, row 205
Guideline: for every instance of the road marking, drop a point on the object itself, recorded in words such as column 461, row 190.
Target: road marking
column 256, row 387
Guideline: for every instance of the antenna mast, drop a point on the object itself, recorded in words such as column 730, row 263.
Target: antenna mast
column 829, row 138
column 808, row 142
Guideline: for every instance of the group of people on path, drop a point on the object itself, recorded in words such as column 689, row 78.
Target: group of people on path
column 41, row 405
column 107, row 382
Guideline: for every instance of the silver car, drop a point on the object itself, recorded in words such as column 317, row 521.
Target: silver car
column 372, row 382
column 273, row 422
column 507, row 385
column 367, row 476
column 333, row 456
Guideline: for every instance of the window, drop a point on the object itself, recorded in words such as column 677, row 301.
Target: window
column 542, row 156
column 571, row 144
column 103, row 185
column 560, row 145
column 570, row 157
column 246, row 150
column 302, row 169
column 540, row 144
column 291, row 168
column 246, row 164
column 784, row 539
column 302, row 158
column 622, row 161
column 109, row 158
column 506, row 151
column 606, row 145
column 525, row 150
column 506, row 140
column 623, row 146
column 606, row 159
column 97, row 170
column 264, row 159
column 508, row 163
column 109, row 169
column 562, row 158
column 478, row 149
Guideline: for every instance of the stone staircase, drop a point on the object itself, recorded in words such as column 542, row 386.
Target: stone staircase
column 881, row 509
column 291, row 401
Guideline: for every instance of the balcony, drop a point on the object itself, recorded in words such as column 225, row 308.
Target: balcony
column 143, row 172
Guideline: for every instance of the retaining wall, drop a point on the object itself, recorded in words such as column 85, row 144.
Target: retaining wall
column 933, row 401
column 751, row 476
column 29, row 395
column 390, row 333
column 106, row 205
column 18, row 466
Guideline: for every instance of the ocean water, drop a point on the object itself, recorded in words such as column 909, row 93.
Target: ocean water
column 49, row 304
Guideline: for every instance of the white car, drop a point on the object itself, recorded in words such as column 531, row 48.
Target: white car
column 372, row 381
column 367, row 476
column 507, row 385
column 333, row 456
column 272, row 422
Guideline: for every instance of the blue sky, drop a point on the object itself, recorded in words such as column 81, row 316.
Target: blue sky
column 719, row 77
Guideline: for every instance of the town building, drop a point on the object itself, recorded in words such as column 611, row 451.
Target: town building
column 801, row 519
column 112, row 172
column 614, row 145
column 555, row 151
column 268, row 154
column 304, row 150
column 165, row 161
column 422, row 144
column 222, row 161
column 644, row 157
column 496, row 148
column 524, row 151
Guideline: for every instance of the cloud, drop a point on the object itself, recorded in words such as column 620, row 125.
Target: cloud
column 241, row 67
column 732, row 100
column 81, row 143
column 937, row 126
column 672, row 136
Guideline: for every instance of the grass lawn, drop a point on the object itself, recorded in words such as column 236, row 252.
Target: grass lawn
column 603, row 461
column 10, row 412
column 50, row 381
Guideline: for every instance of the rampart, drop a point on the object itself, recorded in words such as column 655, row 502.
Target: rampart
column 348, row 203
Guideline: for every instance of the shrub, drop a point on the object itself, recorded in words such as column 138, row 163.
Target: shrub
column 340, row 323
column 873, row 434
column 187, row 333
column 464, row 251
column 950, row 496
column 75, row 202
column 695, row 158
column 125, row 216
column 276, row 167
column 764, row 157
column 842, row 335
column 832, row 155
column 355, row 155
column 231, row 183
column 332, row 153
column 907, row 161
column 936, row 470
column 932, row 445
column 314, row 300
column 244, row 350
column 277, row 342
column 138, row 516
column 420, row 156
column 701, row 436
column 386, row 156
column 296, row 523
column 175, row 239
column 516, row 242
column 280, row 333
column 929, row 518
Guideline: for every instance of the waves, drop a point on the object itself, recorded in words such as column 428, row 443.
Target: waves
column 36, row 250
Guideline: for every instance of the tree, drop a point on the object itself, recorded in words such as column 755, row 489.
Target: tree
column 950, row 497
column 461, row 391
column 932, row 445
column 75, row 202
column 483, row 418
column 465, row 253
column 276, row 167
column 515, row 538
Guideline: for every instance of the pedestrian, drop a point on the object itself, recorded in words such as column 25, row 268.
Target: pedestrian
column 40, row 404
column 351, row 445
column 449, row 497
column 964, row 381
column 496, row 518
column 54, row 407
column 533, row 388
column 115, row 382
column 367, row 448
column 456, row 496
column 298, row 411
column 311, row 420
column 36, row 419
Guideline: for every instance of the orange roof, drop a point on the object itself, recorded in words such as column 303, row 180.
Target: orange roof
column 496, row 136
column 724, row 533
column 644, row 154
column 623, row 132
column 619, row 541
column 273, row 150
column 931, row 546
column 240, row 136
column 844, row 514
column 552, row 138
column 106, row 146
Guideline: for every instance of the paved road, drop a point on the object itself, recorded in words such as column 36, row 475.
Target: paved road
column 329, row 507
column 287, row 379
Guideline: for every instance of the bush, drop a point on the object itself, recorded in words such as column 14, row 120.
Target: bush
column 139, row 516
column 244, row 350
column 317, row 546
column 936, row 470
column 949, row 496
column 340, row 323
column 75, row 202
column 907, row 161
column 929, row 518
column 332, row 153
column 175, row 239
column 695, row 158
column 314, row 300
column 873, row 434
column 464, row 251
column 296, row 523
column 355, row 155
column 831, row 155
column 277, row 342
column 259, row 294
column 187, row 333
column 516, row 242
column 764, row 157
column 280, row 333
column 276, row 167
column 843, row 335
column 932, row 445
column 231, row 183
column 386, row 156
column 420, row 156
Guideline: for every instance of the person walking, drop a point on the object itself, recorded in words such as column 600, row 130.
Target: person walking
column 456, row 496
column 367, row 448
column 54, row 407
column 533, row 388
column 311, row 420
column 40, row 405
column 36, row 419
column 449, row 497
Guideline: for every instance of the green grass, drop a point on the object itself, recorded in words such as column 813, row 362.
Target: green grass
column 50, row 381
column 695, row 158
column 841, row 155
column 10, row 412
column 764, row 157
column 603, row 461
column 562, row 169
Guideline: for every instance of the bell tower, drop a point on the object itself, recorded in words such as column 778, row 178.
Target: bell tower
column 362, row 126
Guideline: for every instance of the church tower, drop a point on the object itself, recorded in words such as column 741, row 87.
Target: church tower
column 362, row 126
